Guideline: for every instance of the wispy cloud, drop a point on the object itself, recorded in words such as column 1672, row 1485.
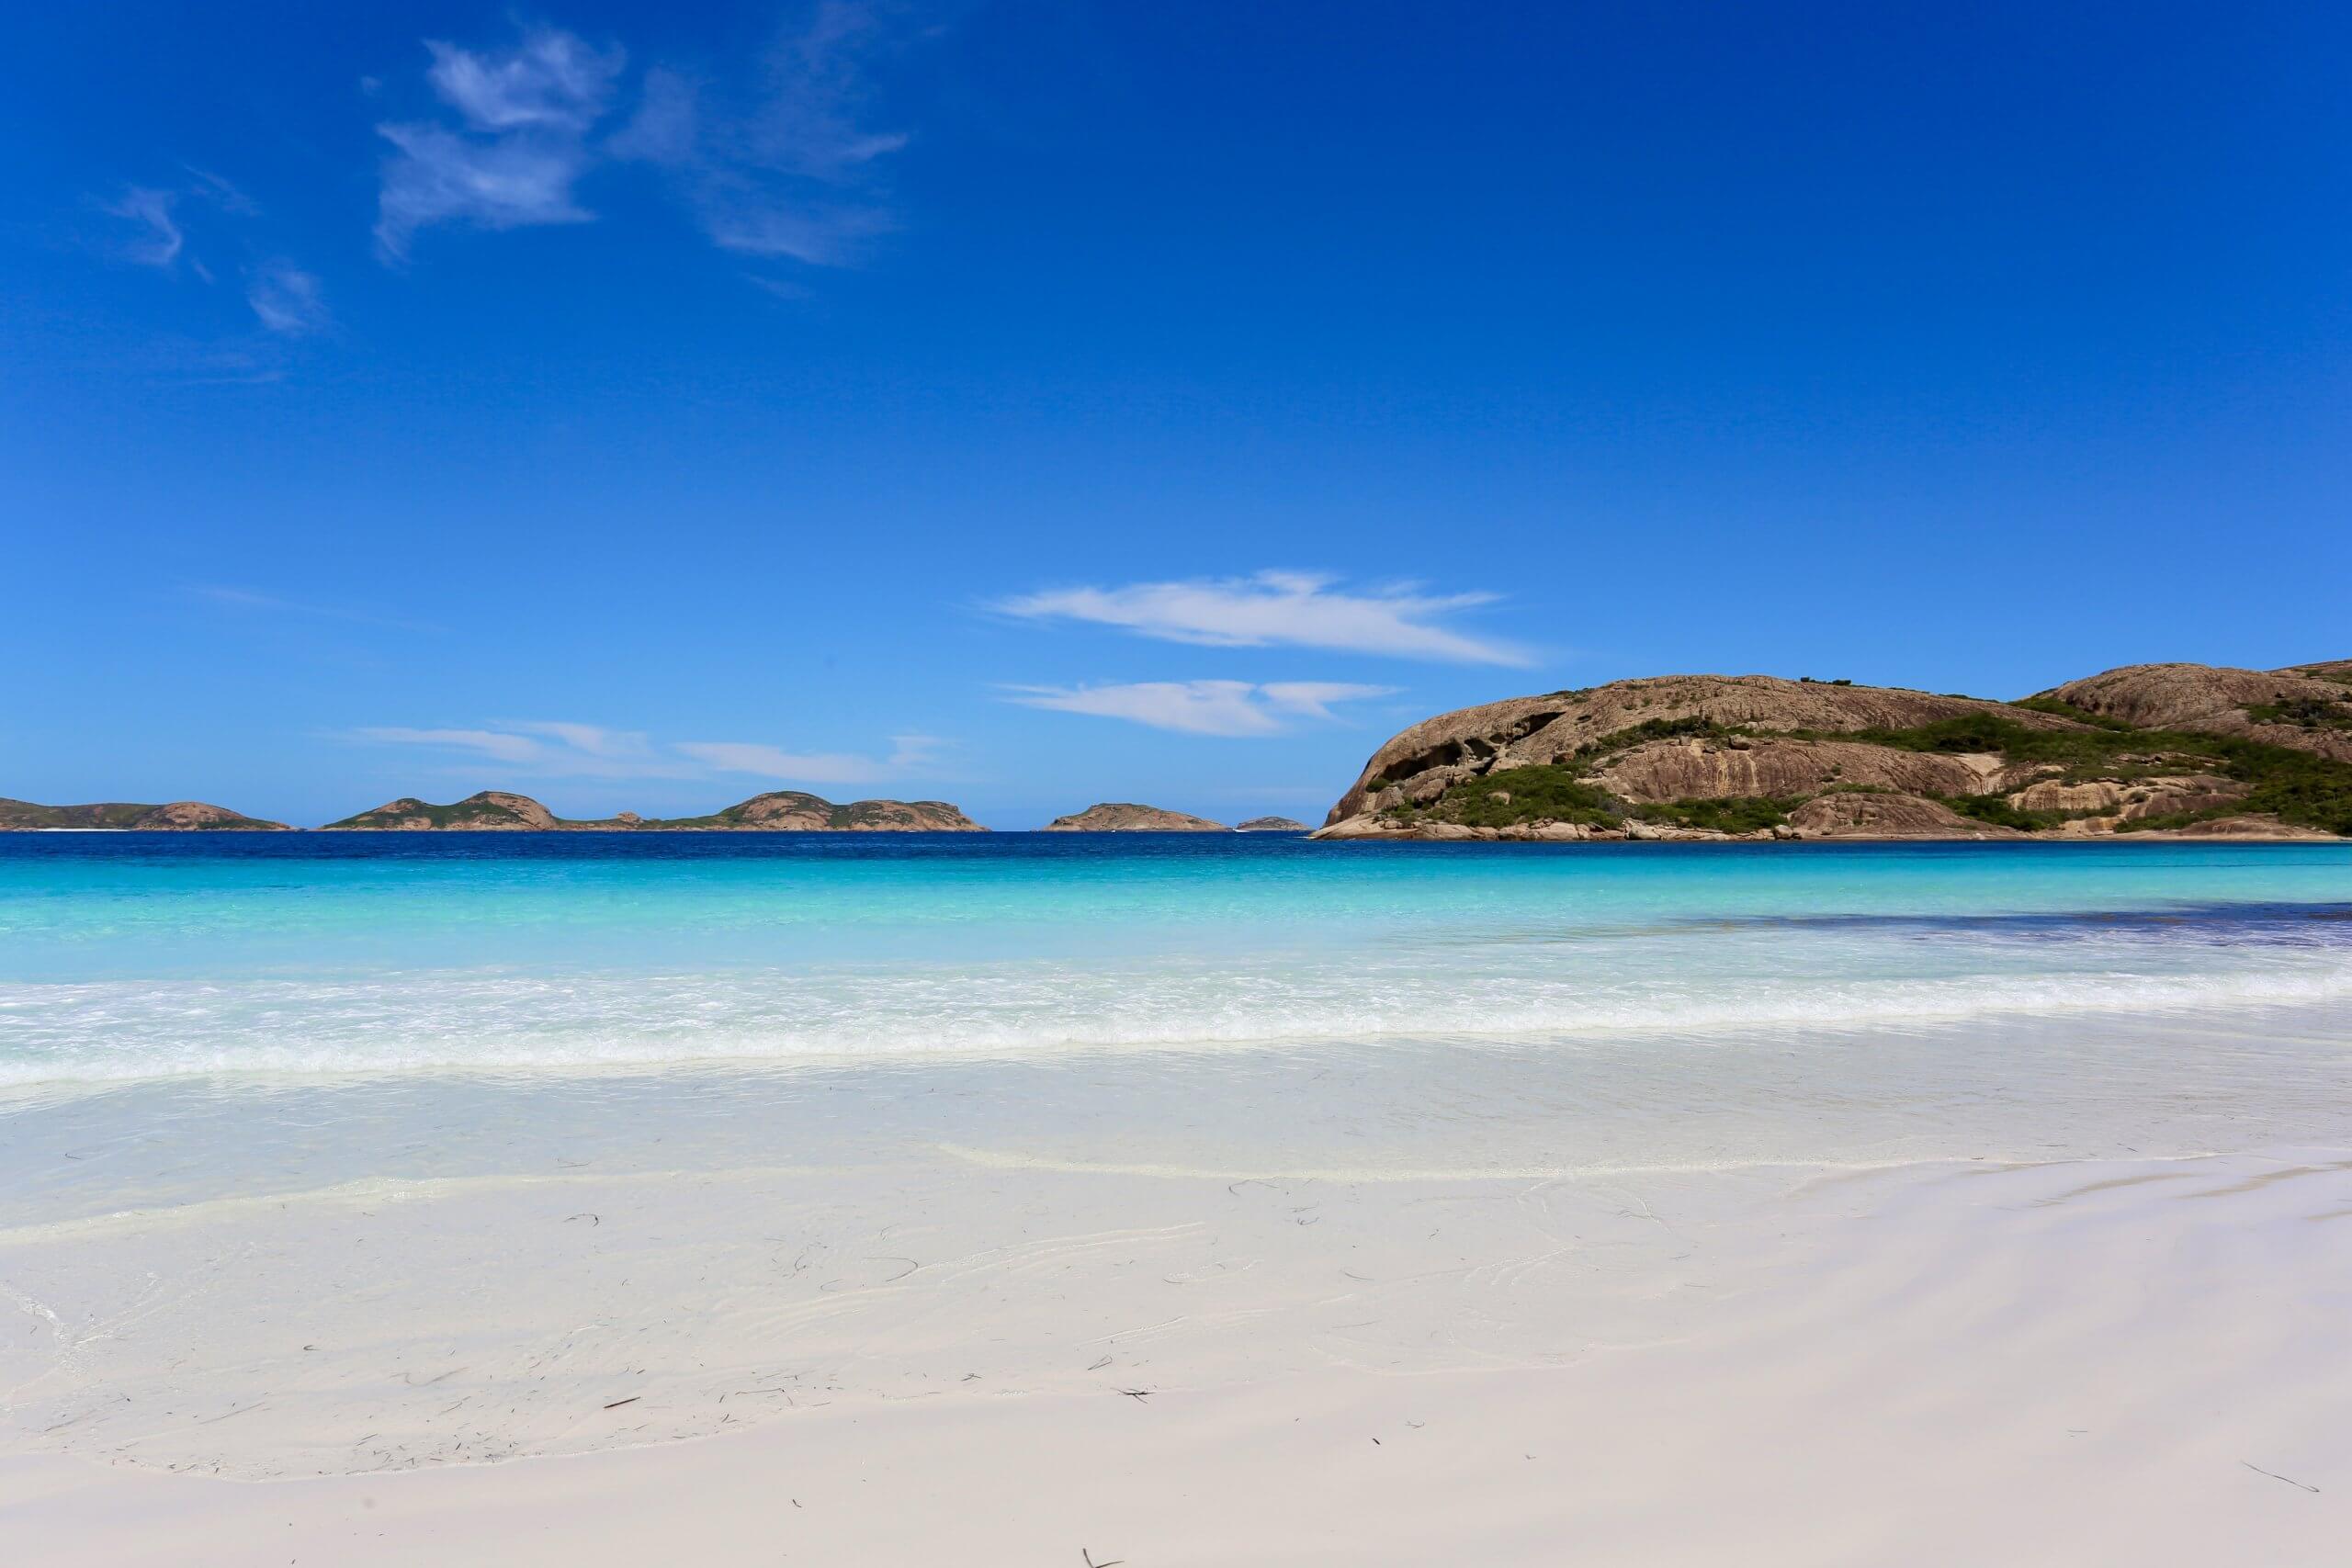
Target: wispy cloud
column 1202, row 707
column 1296, row 609
column 553, row 80
column 520, row 146
column 786, row 169
column 782, row 166
column 551, row 747
column 286, row 300
column 159, row 238
column 247, row 599
column 490, row 743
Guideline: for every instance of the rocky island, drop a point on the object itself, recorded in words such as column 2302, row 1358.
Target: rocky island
column 1124, row 817
column 779, row 811
column 1271, row 825
column 176, row 817
column 2175, row 749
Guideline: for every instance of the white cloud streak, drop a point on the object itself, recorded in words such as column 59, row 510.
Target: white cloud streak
column 780, row 168
column 520, row 146
column 248, row 598
column 552, row 748
column 485, row 742
column 1202, row 707
column 1296, row 609
column 788, row 171
column 160, row 239
column 286, row 299
column 551, row 79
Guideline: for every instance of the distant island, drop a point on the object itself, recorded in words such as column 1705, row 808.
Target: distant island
column 176, row 817
column 1124, row 817
column 500, row 811
column 779, row 811
column 1271, row 825
column 2187, row 750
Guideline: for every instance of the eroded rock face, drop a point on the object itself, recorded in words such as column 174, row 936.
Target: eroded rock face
column 1661, row 770
column 1124, row 817
column 2216, row 700
column 1866, row 816
column 1419, row 765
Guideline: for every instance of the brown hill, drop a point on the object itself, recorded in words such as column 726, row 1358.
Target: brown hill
column 1124, row 817
column 178, row 816
column 490, row 811
column 2303, row 709
column 792, row 811
column 2154, row 748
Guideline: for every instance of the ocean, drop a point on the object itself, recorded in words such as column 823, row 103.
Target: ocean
column 131, row 957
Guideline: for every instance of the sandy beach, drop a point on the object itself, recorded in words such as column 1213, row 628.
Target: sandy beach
column 2107, row 1361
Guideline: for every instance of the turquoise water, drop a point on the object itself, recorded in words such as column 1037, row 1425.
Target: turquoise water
column 125, row 957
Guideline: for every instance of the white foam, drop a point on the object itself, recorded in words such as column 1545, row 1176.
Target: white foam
column 120, row 1031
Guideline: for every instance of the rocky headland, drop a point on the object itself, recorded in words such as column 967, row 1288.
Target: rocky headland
column 176, row 816
column 1124, row 817
column 2174, row 749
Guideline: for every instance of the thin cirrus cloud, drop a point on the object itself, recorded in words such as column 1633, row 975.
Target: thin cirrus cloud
column 157, row 238
column 1203, row 707
column 779, row 167
column 908, row 753
column 550, row 748
column 248, row 600
column 1279, row 608
column 286, row 299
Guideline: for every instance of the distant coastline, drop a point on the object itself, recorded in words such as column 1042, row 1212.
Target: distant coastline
column 2165, row 750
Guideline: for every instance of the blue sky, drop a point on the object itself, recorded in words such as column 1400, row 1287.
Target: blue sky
column 1029, row 404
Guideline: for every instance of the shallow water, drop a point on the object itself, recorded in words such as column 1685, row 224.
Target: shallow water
column 138, row 956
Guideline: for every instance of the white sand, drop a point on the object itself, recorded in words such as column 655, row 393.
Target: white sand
column 2090, row 1361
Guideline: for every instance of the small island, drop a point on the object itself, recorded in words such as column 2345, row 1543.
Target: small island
column 1126, row 817
column 174, row 817
column 1271, row 825
column 779, row 811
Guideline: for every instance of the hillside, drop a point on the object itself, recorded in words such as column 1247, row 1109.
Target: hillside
column 2145, row 749
column 178, row 816
column 780, row 811
column 792, row 811
column 1124, row 817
